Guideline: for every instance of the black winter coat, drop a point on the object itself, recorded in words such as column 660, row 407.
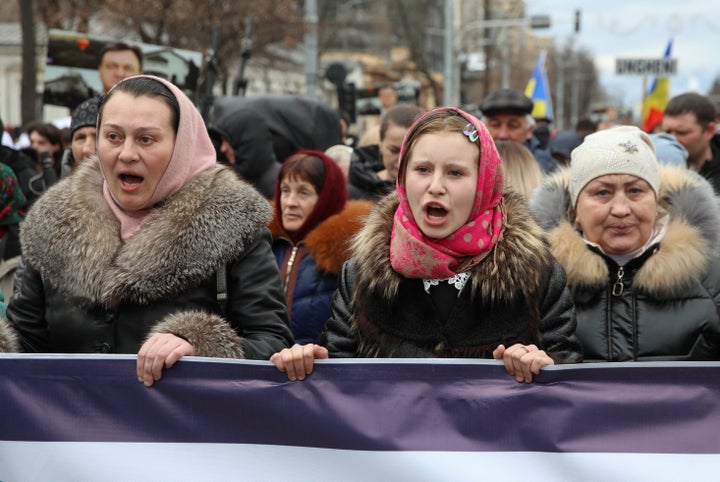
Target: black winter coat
column 363, row 180
column 248, row 134
column 517, row 294
column 662, row 305
column 84, row 290
column 711, row 169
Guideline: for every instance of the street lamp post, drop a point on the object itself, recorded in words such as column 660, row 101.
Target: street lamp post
column 449, row 87
column 452, row 39
column 311, row 48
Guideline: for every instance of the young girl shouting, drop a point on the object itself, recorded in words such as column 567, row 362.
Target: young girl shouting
column 449, row 266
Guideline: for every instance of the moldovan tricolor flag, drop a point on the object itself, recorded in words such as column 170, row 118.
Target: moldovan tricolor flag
column 538, row 89
column 656, row 99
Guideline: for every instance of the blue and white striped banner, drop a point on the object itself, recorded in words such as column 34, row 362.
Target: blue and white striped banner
column 81, row 418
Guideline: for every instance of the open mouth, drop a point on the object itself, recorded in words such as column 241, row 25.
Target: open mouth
column 130, row 179
column 435, row 212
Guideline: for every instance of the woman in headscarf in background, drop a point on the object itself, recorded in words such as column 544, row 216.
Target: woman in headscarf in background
column 312, row 230
column 12, row 212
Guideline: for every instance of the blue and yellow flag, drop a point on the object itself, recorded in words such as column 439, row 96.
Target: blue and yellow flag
column 656, row 99
column 538, row 89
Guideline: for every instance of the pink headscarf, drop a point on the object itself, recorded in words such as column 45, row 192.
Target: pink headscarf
column 193, row 154
column 414, row 255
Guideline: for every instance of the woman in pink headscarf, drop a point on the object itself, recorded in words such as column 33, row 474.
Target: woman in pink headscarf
column 449, row 266
column 125, row 255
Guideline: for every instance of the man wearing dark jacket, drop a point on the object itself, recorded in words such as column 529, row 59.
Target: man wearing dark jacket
column 690, row 117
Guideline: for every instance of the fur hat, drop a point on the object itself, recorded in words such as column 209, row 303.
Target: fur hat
column 84, row 115
column 618, row 150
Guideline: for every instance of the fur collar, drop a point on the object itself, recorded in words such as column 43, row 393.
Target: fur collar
column 73, row 239
column 329, row 242
column 515, row 268
column 692, row 239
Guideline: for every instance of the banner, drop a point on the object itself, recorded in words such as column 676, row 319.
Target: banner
column 88, row 419
column 657, row 98
column 538, row 89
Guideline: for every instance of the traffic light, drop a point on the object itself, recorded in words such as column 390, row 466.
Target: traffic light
column 577, row 21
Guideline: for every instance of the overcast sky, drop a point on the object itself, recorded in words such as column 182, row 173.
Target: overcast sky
column 613, row 29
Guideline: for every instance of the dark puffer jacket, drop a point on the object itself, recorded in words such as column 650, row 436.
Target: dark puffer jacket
column 517, row 294
column 662, row 305
column 85, row 290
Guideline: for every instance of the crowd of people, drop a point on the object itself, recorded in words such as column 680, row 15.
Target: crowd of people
column 440, row 233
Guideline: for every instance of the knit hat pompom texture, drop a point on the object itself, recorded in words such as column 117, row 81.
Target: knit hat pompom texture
column 85, row 115
column 618, row 150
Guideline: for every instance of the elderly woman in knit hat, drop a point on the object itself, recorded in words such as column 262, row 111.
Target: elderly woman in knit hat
column 82, row 135
column 639, row 244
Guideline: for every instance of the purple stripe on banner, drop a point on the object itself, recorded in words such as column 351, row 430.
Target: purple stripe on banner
column 379, row 406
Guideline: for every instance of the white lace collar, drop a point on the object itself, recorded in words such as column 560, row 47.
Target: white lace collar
column 458, row 281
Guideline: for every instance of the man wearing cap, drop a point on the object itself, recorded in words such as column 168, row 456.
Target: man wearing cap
column 507, row 114
column 690, row 118
column 117, row 61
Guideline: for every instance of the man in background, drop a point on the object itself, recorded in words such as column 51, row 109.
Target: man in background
column 507, row 114
column 117, row 61
column 388, row 97
column 690, row 117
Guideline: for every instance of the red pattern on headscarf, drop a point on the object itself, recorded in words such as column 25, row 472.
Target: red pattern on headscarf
column 12, row 199
column 331, row 199
column 414, row 255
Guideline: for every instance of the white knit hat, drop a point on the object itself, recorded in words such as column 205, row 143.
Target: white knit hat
column 618, row 150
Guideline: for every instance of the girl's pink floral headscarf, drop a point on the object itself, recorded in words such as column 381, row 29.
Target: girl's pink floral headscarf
column 414, row 255
column 193, row 154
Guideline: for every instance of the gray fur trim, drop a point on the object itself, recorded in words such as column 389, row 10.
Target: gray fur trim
column 689, row 196
column 550, row 203
column 691, row 242
column 210, row 334
column 72, row 238
column 9, row 340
